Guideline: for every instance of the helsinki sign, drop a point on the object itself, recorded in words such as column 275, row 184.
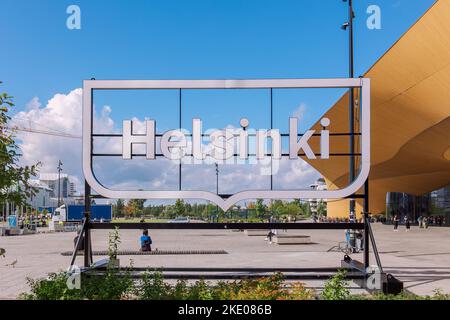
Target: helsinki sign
column 175, row 145
column 222, row 144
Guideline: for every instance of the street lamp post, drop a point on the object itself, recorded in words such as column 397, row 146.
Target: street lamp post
column 217, row 189
column 349, row 25
column 59, row 181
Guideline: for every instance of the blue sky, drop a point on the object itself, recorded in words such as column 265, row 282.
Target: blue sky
column 209, row 39
column 197, row 39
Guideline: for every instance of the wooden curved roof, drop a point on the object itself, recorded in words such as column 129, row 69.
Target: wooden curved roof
column 410, row 113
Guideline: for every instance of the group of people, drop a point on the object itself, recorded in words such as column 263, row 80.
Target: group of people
column 396, row 221
column 423, row 221
column 337, row 220
column 27, row 221
column 359, row 240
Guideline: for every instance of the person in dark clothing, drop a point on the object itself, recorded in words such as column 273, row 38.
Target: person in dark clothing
column 270, row 236
column 407, row 223
column 359, row 241
column 396, row 221
column 146, row 241
column 75, row 240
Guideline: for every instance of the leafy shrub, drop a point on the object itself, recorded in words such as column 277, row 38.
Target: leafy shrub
column 151, row 287
column 110, row 286
column 437, row 295
column 118, row 284
column 336, row 287
column 52, row 288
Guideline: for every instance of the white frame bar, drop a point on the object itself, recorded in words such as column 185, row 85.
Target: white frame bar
column 90, row 85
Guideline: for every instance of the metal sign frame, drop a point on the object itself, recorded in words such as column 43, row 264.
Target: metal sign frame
column 358, row 270
column 225, row 202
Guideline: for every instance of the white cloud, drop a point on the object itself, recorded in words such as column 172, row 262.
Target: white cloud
column 62, row 114
column 33, row 104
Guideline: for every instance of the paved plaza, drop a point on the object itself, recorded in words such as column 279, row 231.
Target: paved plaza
column 420, row 258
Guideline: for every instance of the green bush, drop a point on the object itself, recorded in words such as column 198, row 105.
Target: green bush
column 151, row 287
column 110, row 286
column 437, row 295
column 336, row 287
column 115, row 286
column 52, row 288
column 118, row 284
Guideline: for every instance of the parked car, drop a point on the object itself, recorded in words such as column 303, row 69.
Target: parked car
column 180, row 220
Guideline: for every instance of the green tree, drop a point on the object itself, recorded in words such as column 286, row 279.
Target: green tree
column 135, row 206
column 305, row 209
column 293, row 208
column 14, row 179
column 179, row 207
column 260, row 207
column 278, row 208
column 119, row 208
column 322, row 208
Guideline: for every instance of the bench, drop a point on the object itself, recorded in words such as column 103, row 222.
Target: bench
column 256, row 232
column 55, row 226
column 291, row 239
column 14, row 232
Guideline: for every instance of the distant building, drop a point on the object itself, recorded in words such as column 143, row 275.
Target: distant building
column 40, row 200
column 440, row 201
column 435, row 203
column 320, row 185
column 72, row 189
column 51, row 180
column 42, row 196
column 410, row 132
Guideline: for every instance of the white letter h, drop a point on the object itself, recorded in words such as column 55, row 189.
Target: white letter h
column 128, row 139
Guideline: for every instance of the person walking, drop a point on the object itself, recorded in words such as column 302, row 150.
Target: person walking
column 425, row 222
column 420, row 220
column 396, row 221
column 407, row 223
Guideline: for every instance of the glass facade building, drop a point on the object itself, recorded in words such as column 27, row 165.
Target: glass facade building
column 435, row 205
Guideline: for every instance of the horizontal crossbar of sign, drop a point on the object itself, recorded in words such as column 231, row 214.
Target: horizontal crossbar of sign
column 223, row 84
column 225, row 196
column 225, row 226
column 234, row 276
column 234, row 155
column 230, row 269
column 119, row 135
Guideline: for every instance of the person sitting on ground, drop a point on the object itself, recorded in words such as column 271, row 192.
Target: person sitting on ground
column 146, row 241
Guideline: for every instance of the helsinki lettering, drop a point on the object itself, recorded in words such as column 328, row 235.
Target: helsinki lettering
column 224, row 143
